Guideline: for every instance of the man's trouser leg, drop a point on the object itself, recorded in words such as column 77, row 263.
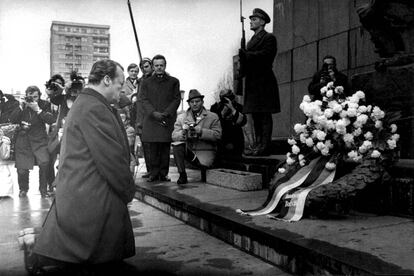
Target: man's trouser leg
column 258, row 129
column 267, row 128
column 179, row 157
column 43, row 174
column 51, row 170
column 154, row 157
column 147, row 155
column 23, row 179
column 164, row 152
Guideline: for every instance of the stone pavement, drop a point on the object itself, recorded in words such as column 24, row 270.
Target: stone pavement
column 361, row 243
column 164, row 245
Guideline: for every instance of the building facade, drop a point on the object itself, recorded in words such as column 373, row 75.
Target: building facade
column 76, row 46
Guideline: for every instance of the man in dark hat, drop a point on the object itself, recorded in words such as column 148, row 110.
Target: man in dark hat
column 160, row 96
column 261, row 97
column 195, row 137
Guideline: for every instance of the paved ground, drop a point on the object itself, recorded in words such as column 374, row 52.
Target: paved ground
column 386, row 239
column 164, row 245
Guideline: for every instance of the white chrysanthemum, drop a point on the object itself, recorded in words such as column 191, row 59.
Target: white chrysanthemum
column 362, row 149
column 362, row 118
column 367, row 144
column 352, row 112
column 378, row 124
column 309, row 142
column 360, row 94
column 377, row 113
column 352, row 154
column 290, row 161
column 318, row 102
column 301, row 157
column 392, row 144
column 291, row 142
column 362, row 109
column 330, row 166
column 337, row 108
column 288, row 155
column 353, row 100
column 325, row 151
column 307, row 99
column 321, row 135
column 328, row 113
column 320, row 145
column 343, row 114
column 302, row 163
column 328, row 144
column 330, row 84
column 302, row 138
column 357, row 132
column 329, row 93
column 357, row 124
column 299, row 128
column 309, row 122
column 281, row 170
column 324, row 89
column 393, row 128
column 369, row 108
column 375, row 154
column 339, row 89
column 348, row 138
column 395, row 137
column 295, row 149
column 330, row 124
column 302, row 106
column 368, row 135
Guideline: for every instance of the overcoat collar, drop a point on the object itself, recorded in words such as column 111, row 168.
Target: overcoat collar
column 256, row 39
column 190, row 119
column 97, row 95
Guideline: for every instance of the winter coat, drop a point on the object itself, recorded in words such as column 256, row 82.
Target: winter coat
column 89, row 222
column 32, row 142
column 261, row 88
column 205, row 147
column 161, row 94
column 9, row 109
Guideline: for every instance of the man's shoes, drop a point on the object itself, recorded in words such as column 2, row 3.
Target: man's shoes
column 164, row 178
column 146, row 175
column 182, row 179
column 152, row 178
column 44, row 194
column 23, row 194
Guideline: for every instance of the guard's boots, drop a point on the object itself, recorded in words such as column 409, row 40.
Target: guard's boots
column 182, row 179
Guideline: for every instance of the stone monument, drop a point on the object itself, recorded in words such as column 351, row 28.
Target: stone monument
column 391, row 86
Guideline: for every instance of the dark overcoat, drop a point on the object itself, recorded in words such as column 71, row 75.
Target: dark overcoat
column 89, row 222
column 31, row 144
column 160, row 94
column 261, row 88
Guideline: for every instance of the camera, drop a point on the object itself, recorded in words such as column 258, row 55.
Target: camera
column 29, row 99
column 76, row 85
column 191, row 132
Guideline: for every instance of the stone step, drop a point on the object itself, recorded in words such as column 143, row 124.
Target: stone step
column 292, row 248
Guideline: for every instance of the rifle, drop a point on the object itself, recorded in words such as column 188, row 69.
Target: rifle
column 240, row 76
column 135, row 31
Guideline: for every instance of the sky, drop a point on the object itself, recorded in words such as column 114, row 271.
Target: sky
column 197, row 37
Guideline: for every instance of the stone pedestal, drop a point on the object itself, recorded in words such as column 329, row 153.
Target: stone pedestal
column 233, row 179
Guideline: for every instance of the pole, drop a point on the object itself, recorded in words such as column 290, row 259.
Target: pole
column 135, row 31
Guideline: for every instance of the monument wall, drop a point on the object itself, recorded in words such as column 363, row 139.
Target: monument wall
column 306, row 31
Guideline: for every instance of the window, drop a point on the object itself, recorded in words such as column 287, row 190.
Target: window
column 78, row 57
column 61, row 28
column 83, row 30
column 69, row 66
column 84, row 39
column 68, row 29
column 77, row 48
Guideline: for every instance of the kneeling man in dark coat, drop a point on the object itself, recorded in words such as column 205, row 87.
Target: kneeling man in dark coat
column 89, row 222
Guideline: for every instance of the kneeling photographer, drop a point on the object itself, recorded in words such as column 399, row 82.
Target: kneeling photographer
column 32, row 140
column 195, row 137
column 232, row 120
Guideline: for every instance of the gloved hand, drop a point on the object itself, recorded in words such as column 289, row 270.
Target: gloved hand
column 158, row 116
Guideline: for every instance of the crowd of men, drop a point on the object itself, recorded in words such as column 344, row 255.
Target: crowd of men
column 96, row 128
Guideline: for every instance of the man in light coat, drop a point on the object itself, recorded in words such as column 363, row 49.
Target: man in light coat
column 89, row 222
column 195, row 137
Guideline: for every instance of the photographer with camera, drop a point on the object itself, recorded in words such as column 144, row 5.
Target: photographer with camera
column 31, row 140
column 195, row 137
column 328, row 73
column 63, row 97
column 232, row 120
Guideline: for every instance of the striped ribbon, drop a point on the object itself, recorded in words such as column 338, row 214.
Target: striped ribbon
column 295, row 181
column 294, row 205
